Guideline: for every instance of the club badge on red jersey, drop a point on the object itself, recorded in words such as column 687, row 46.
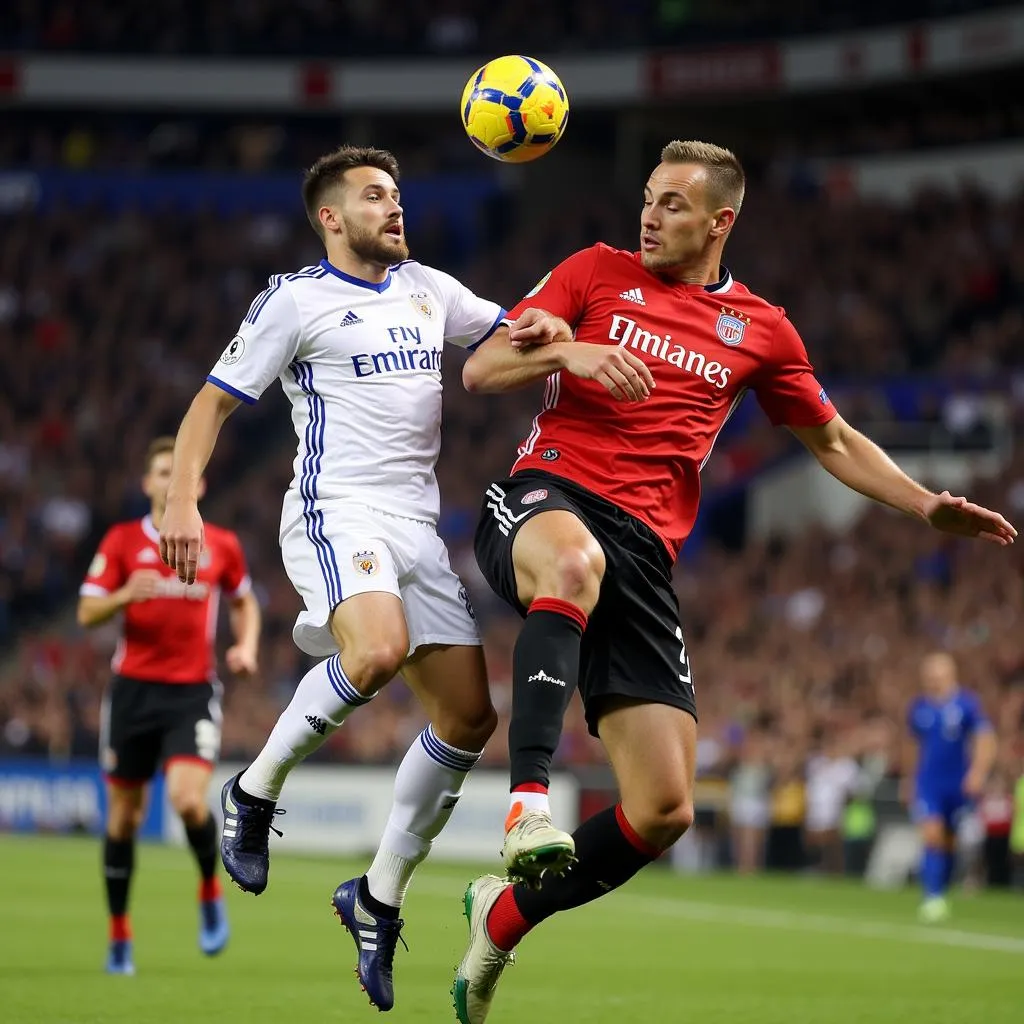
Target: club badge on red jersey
column 731, row 326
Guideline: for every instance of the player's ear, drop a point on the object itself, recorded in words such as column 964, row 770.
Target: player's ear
column 329, row 221
column 723, row 222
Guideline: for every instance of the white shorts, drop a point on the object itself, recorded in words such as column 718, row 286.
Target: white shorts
column 339, row 550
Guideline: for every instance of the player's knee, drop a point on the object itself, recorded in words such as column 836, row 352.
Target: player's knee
column 575, row 575
column 123, row 821
column 662, row 822
column 190, row 805
column 468, row 728
column 372, row 663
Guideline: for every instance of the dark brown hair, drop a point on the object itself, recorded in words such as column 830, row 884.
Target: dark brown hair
column 330, row 170
column 726, row 180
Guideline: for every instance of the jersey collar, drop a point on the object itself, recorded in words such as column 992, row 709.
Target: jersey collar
column 722, row 285
column 150, row 530
column 373, row 286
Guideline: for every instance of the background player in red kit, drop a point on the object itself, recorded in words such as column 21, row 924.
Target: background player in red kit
column 163, row 705
column 582, row 537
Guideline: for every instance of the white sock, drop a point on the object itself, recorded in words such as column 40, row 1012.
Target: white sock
column 530, row 801
column 323, row 700
column 428, row 785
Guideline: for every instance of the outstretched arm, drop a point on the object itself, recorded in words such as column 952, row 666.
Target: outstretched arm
column 859, row 463
column 547, row 347
column 181, row 532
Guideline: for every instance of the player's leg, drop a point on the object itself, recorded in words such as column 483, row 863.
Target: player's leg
column 348, row 581
column 370, row 630
column 191, row 748
column 652, row 748
column 129, row 754
column 936, row 859
column 538, row 554
column 125, row 806
column 447, row 673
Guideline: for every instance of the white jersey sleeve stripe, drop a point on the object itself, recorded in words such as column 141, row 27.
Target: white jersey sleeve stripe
column 497, row 323
column 314, row 442
column 224, row 386
column 261, row 300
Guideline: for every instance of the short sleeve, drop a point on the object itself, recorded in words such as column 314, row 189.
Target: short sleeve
column 266, row 342
column 562, row 291
column 786, row 387
column 234, row 580
column 106, row 571
column 468, row 320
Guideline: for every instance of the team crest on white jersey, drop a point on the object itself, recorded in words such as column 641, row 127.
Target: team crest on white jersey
column 365, row 562
column 421, row 303
column 731, row 326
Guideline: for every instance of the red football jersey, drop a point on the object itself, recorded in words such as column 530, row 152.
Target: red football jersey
column 705, row 345
column 169, row 638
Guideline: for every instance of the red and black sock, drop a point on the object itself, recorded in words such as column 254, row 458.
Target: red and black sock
column 609, row 853
column 118, row 864
column 545, row 668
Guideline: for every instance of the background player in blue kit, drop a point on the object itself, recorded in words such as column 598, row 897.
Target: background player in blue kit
column 955, row 750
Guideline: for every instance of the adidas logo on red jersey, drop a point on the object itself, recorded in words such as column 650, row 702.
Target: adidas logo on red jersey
column 634, row 295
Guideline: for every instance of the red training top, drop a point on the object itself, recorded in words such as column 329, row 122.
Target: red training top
column 168, row 638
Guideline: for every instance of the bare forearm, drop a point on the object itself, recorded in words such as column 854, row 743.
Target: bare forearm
column 984, row 756
column 499, row 367
column 95, row 610
column 246, row 621
column 858, row 462
column 196, row 439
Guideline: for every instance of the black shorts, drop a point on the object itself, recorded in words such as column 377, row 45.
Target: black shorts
column 633, row 645
column 146, row 724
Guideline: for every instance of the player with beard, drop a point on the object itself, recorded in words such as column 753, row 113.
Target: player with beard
column 356, row 342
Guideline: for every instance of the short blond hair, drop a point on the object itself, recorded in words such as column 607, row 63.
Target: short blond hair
column 726, row 180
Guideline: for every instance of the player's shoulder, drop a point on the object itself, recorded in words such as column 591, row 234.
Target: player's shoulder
column 733, row 292
column 220, row 536
column 412, row 272
column 300, row 279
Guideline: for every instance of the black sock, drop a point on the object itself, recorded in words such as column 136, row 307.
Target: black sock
column 545, row 669
column 203, row 840
column 374, row 905
column 241, row 797
column 118, row 864
column 609, row 854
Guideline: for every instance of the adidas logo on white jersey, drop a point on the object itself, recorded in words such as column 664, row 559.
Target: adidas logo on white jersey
column 634, row 295
column 349, row 319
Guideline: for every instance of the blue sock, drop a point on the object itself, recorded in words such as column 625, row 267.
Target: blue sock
column 948, row 868
column 933, row 872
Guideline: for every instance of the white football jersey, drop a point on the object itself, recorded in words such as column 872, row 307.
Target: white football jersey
column 361, row 364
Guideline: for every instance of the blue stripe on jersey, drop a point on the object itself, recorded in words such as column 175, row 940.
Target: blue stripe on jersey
column 313, row 516
column 224, row 386
column 272, row 286
column 490, row 331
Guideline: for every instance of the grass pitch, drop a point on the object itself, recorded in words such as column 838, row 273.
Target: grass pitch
column 666, row 948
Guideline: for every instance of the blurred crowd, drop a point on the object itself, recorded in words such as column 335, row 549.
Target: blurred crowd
column 805, row 650
column 341, row 27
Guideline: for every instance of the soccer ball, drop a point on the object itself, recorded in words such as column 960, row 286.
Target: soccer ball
column 514, row 109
